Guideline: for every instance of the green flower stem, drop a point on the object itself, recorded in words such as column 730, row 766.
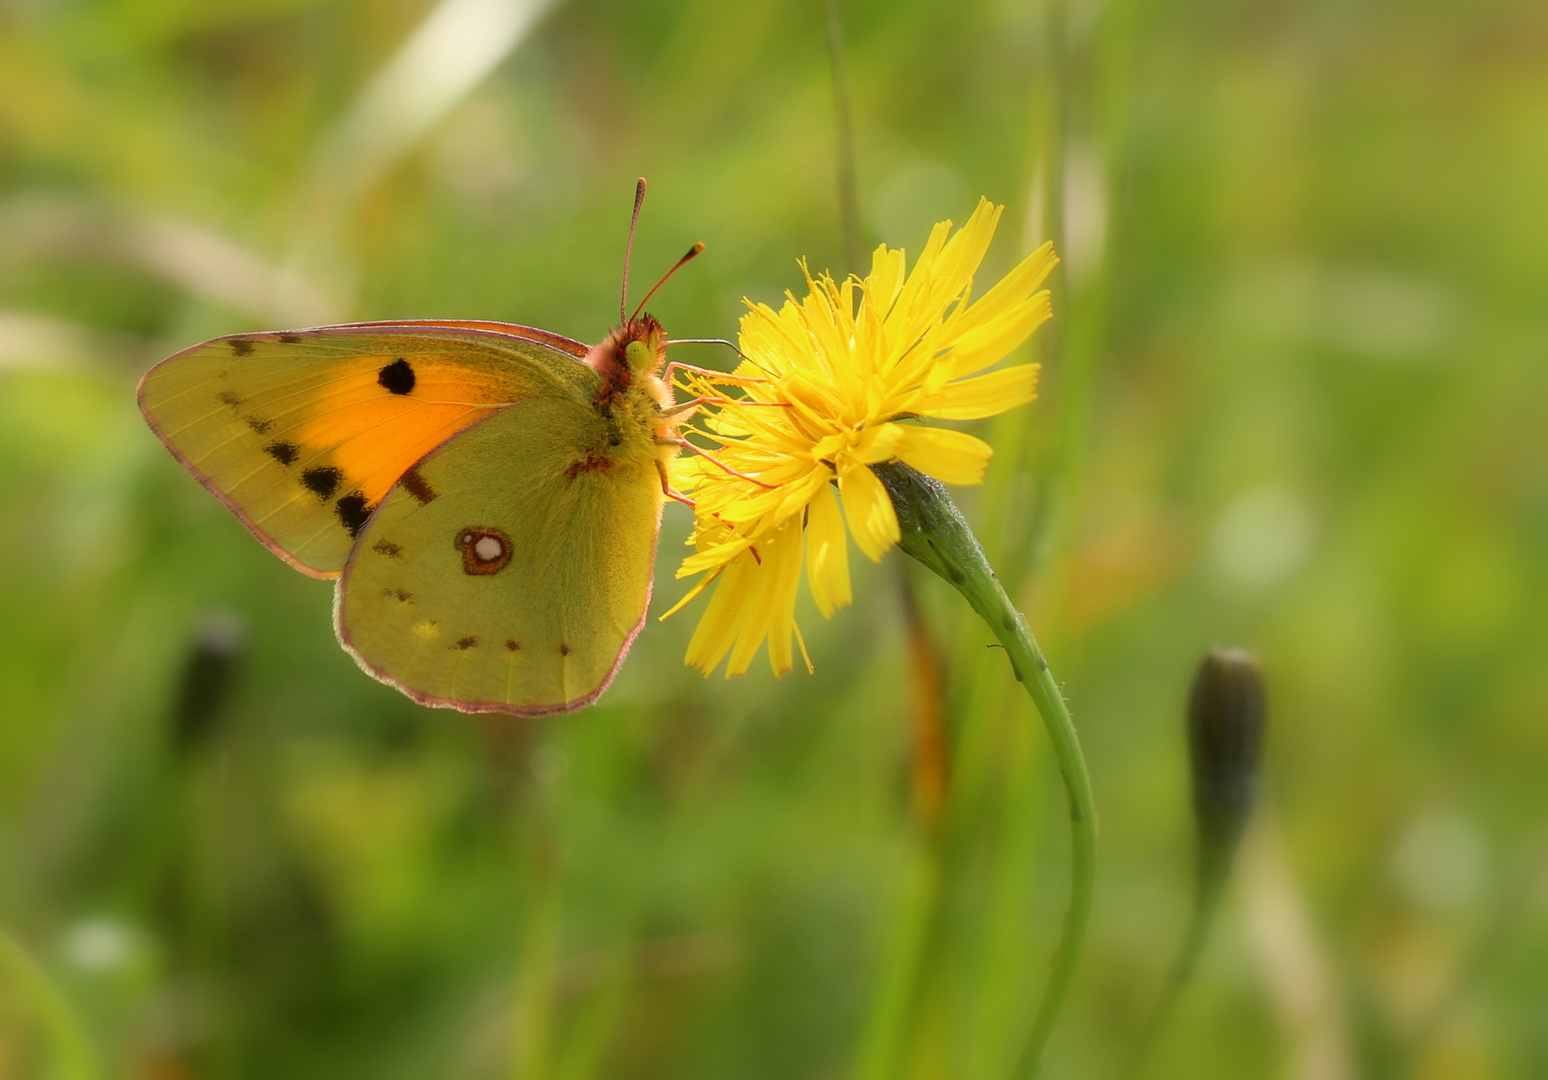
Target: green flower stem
column 1180, row 975
column 934, row 532
column 1225, row 737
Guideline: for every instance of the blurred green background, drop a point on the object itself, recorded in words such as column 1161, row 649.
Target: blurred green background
column 1295, row 399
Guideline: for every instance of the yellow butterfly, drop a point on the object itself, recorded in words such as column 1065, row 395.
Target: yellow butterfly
column 487, row 495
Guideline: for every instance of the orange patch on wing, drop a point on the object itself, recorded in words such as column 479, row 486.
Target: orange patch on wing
column 374, row 436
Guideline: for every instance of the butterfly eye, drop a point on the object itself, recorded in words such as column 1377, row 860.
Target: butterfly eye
column 638, row 355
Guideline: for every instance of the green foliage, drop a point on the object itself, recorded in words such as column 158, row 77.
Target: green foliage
column 1295, row 401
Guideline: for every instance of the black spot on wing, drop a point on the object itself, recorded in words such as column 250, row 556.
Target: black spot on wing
column 387, row 548
column 417, row 486
column 322, row 480
column 230, row 397
column 283, row 452
column 397, row 377
column 353, row 512
column 290, row 339
column 259, row 425
column 564, row 650
column 512, row 644
column 467, row 642
column 402, row 595
column 241, row 347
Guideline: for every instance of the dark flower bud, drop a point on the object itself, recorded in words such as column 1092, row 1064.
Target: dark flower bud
column 214, row 656
column 1225, row 734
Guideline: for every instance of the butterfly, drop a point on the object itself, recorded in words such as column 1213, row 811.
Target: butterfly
column 486, row 495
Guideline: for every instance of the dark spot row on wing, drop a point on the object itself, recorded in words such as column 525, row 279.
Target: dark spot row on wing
column 470, row 642
column 241, row 347
column 353, row 512
column 322, row 481
column 285, row 453
column 397, row 377
column 290, row 339
column 467, row 539
column 417, row 486
column 259, row 425
column 230, row 397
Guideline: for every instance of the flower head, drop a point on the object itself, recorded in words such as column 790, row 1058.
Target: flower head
column 831, row 384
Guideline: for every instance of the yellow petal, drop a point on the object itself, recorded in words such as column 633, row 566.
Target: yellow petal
column 966, row 250
column 886, row 278
column 953, row 457
column 993, row 339
column 714, row 550
column 1013, row 290
column 827, row 554
column 768, row 601
column 783, row 566
column 878, row 444
column 983, row 395
column 915, row 302
column 868, row 509
column 718, row 626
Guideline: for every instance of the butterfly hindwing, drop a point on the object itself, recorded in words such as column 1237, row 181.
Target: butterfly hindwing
column 514, row 573
column 302, row 434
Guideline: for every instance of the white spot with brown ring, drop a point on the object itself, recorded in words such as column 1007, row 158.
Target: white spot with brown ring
column 485, row 550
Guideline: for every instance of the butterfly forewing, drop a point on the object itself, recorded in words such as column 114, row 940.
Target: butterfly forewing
column 302, row 434
column 514, row 573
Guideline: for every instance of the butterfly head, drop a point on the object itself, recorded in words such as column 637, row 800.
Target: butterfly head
column 643, row 344
column 636, row 348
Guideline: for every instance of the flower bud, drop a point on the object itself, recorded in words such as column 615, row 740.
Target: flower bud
column 214, row 656
column 1225, row 733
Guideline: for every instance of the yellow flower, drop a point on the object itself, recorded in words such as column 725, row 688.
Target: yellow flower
column 827, row 388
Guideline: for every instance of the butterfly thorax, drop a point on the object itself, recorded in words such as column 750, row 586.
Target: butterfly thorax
column 631, row 396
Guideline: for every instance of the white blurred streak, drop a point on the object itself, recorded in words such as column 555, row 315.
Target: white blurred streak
column 1441, row 862
column 1296, row 972
column 1387, row 316
column 459, row 43
column 199, row 260
column 41, row 342
column 1085, row 211
column 1035, row 229
column 99, row 944
column 1262, row 536
column 1377, row 313
column 217, row 268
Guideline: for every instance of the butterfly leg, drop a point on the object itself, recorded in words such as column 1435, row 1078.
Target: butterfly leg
column 682, row 408
column 672, row 411
column 666, row 486
column 709, row 373
column 685, row 444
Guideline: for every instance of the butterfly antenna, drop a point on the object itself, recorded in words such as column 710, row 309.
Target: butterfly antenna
column 678, row 265
column 709, row 341
column 634, row 219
